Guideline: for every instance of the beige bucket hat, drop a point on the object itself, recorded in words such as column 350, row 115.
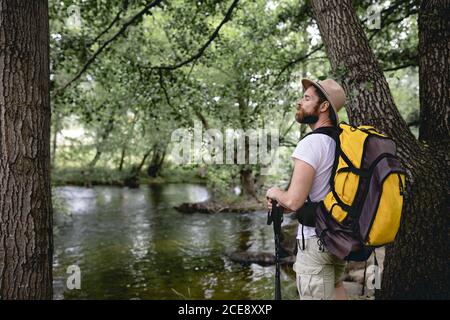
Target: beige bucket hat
column 332, row 90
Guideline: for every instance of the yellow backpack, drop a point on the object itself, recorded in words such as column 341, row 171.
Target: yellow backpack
column 363, row 209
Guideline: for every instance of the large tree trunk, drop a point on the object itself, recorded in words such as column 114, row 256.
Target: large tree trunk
column 434, row 73
column 26, row 243
column 417, row 263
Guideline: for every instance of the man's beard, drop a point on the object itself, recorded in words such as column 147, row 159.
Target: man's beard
column 310, row 118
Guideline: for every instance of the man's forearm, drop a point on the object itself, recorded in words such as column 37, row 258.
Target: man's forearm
column 285, row 199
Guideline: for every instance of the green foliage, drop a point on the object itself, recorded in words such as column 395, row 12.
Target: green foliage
column 83, row 177
column 248, row 77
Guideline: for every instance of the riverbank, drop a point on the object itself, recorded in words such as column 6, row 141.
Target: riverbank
column 85, row 177
column 108, row 177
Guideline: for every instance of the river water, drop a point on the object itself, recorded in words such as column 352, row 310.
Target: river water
column 132, row 244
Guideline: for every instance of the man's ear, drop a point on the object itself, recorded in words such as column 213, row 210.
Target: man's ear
column 324, row 106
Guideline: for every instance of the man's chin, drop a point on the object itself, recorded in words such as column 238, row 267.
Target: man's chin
column 299, row 117
column 307, row 119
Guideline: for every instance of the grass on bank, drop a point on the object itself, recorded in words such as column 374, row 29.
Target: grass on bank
column 78, row 176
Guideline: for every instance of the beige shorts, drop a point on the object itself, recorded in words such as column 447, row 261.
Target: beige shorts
column 317, row 272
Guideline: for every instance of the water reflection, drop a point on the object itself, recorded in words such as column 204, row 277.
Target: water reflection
column 131, row 243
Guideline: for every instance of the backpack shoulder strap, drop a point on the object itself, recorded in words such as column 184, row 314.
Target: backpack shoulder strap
column 332, row 132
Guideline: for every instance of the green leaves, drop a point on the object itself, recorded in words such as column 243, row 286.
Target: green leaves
column 248, row 77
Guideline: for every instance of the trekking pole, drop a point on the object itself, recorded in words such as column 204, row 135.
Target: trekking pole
column 275, row 216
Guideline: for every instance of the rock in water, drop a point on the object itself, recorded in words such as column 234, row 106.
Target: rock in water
column 261, row 258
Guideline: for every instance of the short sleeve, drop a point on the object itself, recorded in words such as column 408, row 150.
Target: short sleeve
column 308, row 150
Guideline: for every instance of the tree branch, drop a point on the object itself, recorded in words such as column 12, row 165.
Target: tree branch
column 288, row 129
column 386, row 13
column 117, row 18
column 295, row 61
column 166, row 95
column 376, row 31
column 403, row 66
column 285, row 143
column 107, row 42
column 395, row 60
column 205, row 46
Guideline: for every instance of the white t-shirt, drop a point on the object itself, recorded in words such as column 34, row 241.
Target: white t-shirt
column 318, row 151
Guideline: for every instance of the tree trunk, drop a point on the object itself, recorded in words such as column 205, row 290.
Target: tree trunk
column 94, row 160
column 247, row 178
column 139, row 167
column 122, row 157
column 109, row 128
column 128, row 136
column 417, row 262
column 132, row 180
column 156, row 163
column 55, row 141
column 26, row 241
column 434, row 53
column 248, row 182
